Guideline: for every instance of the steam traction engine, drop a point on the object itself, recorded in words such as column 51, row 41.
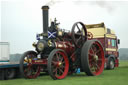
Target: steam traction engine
column 59, row 52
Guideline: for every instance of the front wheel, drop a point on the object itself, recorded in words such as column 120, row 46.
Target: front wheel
column 111, row 64
column 58, row 64
column 27, row 68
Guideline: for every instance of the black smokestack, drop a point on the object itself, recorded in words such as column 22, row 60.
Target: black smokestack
column 45, row 18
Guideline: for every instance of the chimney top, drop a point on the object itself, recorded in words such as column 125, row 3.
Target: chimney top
column 45, row 7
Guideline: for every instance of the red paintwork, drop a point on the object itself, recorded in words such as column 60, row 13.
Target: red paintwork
column 73, row 57
column 67, row 46
column 32, row 76
column 104, row 42
column 98, row 64
column 116, row 63
column 29, row 66
column 60, row 68
column 40, row 62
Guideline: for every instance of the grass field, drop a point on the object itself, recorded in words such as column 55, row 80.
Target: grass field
column 118, row 76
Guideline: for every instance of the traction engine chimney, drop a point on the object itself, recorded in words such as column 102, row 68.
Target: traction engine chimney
column 45, row 18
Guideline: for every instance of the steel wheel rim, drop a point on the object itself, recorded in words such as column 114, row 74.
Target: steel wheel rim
column 30, row 70
column 96, row 58
column 59, row 65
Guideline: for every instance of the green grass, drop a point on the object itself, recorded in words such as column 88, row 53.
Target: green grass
column 118, row 76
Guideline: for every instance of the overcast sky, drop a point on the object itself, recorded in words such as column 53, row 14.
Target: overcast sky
column 21, row 20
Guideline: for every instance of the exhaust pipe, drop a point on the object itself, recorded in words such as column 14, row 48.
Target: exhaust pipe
column 45, row 19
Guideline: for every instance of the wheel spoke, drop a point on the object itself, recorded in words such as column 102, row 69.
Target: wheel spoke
column 78, row 27
column 63, row 62
column 78, row 40
column 92, row 51
column 98, row 51
column 55, row 70
column 97, row 67
column 61, row 70
column 94, row 66
column 57, row 56
column 99, row 59
column 54, row 62
column 62, row 66
column 90, row 60
column 91, row 54
column 62, row 59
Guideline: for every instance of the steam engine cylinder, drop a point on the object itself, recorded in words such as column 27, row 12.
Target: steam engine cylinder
column 67, row 46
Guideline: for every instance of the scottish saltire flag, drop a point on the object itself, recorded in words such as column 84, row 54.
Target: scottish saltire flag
column 51, row 34
column 37, row 37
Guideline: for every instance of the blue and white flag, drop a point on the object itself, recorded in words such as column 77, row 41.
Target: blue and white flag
column 37, row 37
column 51, row 34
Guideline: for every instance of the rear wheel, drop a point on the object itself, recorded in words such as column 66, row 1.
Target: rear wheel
column 27, row 69
column 92, row 58
column 58, row 64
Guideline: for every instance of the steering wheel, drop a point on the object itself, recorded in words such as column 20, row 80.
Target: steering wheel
column 79, row 34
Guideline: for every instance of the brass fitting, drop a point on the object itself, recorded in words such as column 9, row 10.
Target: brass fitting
column 34, row 44
column 49, row 43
